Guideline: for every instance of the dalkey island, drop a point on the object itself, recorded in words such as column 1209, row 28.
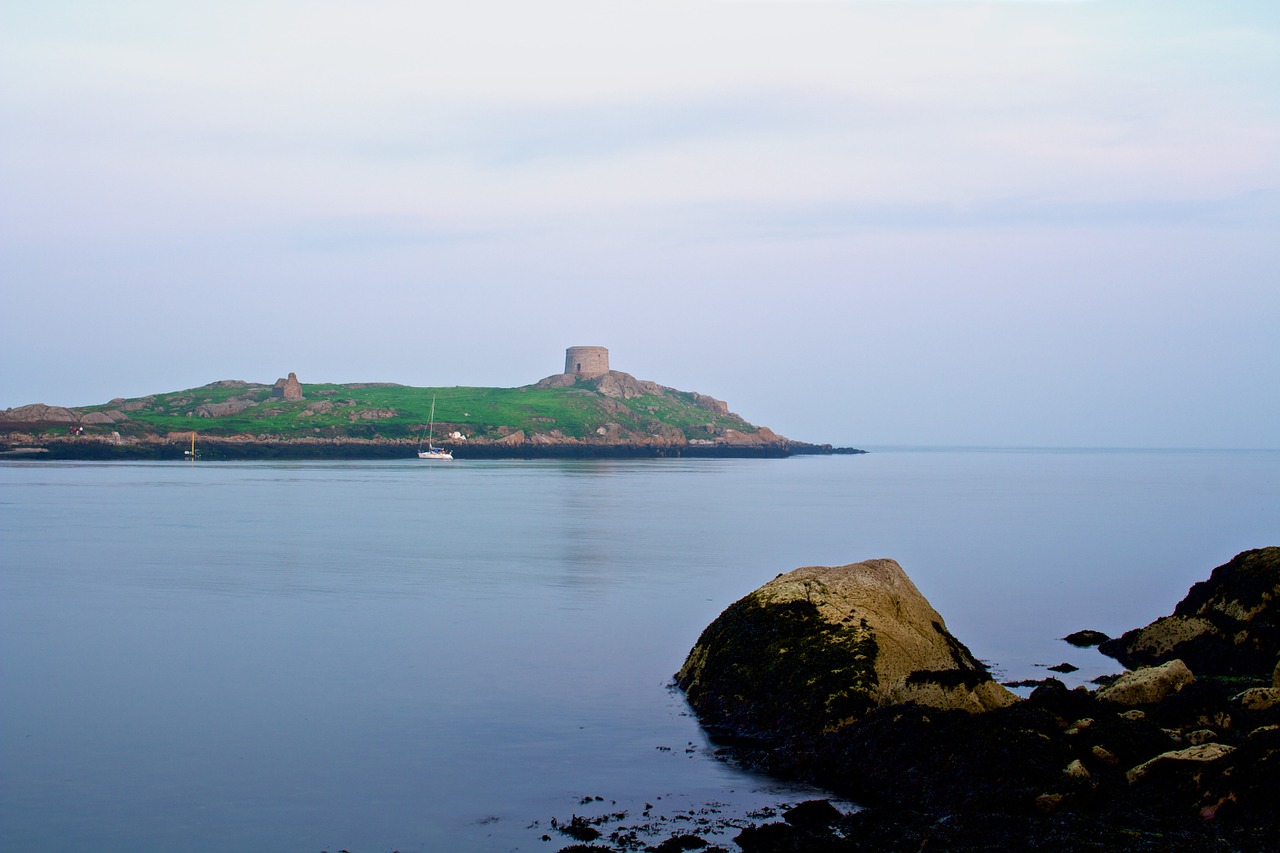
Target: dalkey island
column 588, row 410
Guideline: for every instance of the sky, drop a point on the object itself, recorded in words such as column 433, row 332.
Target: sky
column 1029, row 223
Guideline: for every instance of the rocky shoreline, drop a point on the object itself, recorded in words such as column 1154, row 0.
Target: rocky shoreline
column 846, row 678
column 86, row 448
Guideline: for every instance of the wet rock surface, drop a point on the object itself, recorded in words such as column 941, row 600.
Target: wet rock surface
column 665, row 825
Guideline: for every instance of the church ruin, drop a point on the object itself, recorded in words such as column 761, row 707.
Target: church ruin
column 289, row 389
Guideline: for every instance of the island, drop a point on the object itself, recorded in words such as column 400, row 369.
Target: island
column 587, row 411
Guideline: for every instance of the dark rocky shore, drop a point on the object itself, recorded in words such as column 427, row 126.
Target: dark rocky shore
column 846, row 678
column 217, row 449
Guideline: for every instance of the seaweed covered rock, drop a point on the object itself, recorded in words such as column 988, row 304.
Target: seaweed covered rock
column 1085, row 639
column 818, row 648
column 1228, row 625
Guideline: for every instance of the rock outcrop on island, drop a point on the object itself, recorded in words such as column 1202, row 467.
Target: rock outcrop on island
column 39, row 413
column 1167, row 757
column 817, row 648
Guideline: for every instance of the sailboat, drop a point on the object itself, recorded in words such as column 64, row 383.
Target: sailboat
column 191, row 454
column 432, row 452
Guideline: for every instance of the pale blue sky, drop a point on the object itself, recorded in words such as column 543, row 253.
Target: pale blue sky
column 866, row 222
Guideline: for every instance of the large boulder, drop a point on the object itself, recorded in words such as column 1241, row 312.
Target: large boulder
column 816, row 649
column 1149, row 684
column 1227, row 625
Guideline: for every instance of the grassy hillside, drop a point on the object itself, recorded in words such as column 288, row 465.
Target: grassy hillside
column 386, row 411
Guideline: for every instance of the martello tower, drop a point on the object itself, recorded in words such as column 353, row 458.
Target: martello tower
column 586, row 361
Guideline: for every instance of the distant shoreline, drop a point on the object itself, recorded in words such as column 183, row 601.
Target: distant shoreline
column 212, row 449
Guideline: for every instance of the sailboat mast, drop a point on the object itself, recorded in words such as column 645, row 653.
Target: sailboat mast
column 432, row 452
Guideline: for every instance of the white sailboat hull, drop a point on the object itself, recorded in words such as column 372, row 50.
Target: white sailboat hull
column 434, row 454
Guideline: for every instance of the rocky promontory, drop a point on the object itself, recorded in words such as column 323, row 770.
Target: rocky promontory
column 846, row 677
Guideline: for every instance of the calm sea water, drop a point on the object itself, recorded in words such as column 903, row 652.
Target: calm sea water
column 393, row 655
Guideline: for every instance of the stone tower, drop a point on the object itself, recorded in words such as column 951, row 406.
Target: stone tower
column 586, row 362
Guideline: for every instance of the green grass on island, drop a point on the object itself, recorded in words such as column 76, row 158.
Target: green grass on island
column 399, row 412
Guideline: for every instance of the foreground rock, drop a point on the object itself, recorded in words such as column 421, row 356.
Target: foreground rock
column 818, row 648
column 1164, row 759
column 1227, row 625
column 1151, row 684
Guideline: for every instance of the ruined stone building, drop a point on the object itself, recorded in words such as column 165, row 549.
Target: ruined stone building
column 289, row 389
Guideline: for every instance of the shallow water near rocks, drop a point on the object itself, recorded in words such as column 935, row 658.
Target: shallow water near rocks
column 398, row 655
